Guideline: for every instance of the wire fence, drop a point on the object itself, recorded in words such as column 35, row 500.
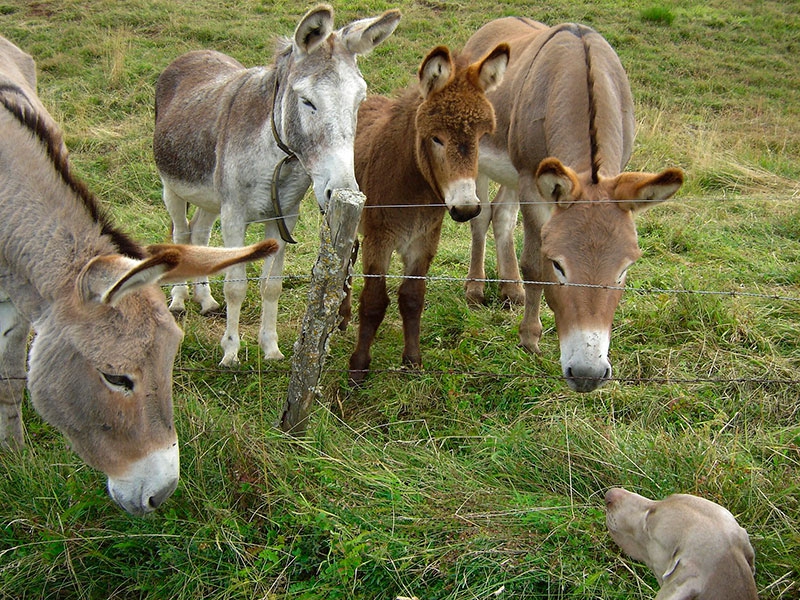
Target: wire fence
column 728, row 293
column 284, row 367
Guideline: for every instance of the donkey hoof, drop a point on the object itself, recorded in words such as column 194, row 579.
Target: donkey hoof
column 213, row 310
column 532, row 348
column 177, row 308
column 412, row 363
column 356, row 377
column 513, row 296
column 475, row 297
column 229, row 361
column 273, row 354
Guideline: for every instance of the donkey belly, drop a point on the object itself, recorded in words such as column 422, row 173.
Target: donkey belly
column 496, row 164
column 200, row 195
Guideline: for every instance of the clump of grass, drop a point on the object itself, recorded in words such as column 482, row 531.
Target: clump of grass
column 660, row 15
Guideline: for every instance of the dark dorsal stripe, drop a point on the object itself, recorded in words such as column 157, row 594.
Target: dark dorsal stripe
column 10, row 96
column 593, row 143
column 581, row 31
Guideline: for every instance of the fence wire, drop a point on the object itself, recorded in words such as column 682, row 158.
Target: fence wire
column 284, row 369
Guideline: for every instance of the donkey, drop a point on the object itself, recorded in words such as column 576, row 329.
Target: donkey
column 246, row 144
column 100, row 365
column 416, row 158
column 565, row 131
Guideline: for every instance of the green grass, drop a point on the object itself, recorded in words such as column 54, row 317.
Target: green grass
column 481, row 476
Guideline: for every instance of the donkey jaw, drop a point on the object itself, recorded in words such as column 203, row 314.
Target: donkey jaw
column 461, row 200
column 584, row 359
column 148, row 482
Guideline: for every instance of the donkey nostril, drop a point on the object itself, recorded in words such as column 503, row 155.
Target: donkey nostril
column 607, row 373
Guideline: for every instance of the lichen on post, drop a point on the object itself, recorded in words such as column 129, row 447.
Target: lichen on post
column 326, row 291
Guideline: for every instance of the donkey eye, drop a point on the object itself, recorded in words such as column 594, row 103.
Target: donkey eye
column 437, row 141
column 119, row 383
column 560, row 272
column 308, row 103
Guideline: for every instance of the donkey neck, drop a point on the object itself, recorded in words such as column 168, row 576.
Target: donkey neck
column 47, row 233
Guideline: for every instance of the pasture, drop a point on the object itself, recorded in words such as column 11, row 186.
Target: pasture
column 481, row 476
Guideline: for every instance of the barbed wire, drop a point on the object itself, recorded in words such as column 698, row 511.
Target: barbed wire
column 683, row 200
column 402, row 371
column 453, row 279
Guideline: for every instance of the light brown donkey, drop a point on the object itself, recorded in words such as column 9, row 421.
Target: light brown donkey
column 100, row 366
column 564, row 134
column 416, row 157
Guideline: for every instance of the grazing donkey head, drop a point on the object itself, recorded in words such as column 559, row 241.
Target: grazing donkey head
column 589, row 241
column 246, row 143
column 101, row 358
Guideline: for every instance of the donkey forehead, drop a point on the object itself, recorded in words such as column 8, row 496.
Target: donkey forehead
column 327, row 71
column 460, row 109
column 595, row 231
column 137, row 332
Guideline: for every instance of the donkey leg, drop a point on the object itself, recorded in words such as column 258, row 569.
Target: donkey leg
column 372, row 306
column 504, row 220
column 271, row 285
column 411, row 295
column 14, row 331
column 201, row 225
column 235, row 287
column 479, row 226
column 411, row 300
column 181, row 234
column 530, row 329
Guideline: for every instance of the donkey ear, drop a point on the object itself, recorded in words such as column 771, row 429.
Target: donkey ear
column 492, row 68
column 108, row 279
column 643, row 190
column 360, row 37
column 557, row 183
column 314, row 29
column 198, row 261
column 435, row 71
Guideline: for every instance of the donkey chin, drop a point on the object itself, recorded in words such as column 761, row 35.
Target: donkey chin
column 461, row 200
column 148, row 482
column 584, row 359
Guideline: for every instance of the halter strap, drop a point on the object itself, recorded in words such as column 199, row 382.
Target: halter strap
column 286, row 236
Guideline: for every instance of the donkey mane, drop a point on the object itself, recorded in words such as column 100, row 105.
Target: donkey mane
column 593, row 144
column 56, row 151
column 580, row 31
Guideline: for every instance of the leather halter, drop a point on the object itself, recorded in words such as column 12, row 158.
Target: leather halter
column 286, row 236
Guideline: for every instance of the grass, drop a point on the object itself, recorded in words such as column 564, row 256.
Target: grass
column 481, row 476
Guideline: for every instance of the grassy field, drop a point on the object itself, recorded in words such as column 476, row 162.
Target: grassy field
column 482, row 476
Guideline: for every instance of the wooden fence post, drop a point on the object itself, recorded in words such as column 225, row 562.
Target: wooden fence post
column 325, row 294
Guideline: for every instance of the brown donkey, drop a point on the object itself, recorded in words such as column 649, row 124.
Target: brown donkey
column 100, row 366
column 564, row 134
column 416, row 157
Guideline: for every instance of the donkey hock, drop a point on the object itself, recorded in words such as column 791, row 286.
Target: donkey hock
column 564, row 134
column 101, row 357
column 417, row 158
column 246, row 144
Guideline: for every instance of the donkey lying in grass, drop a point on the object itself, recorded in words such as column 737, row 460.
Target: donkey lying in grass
column 245, row 144
column 417, row 157
column 564, row 134
column 101, row 359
